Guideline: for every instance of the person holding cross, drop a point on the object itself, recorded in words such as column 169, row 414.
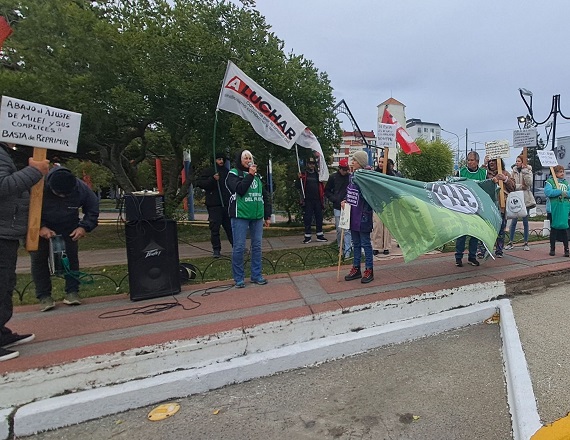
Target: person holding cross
column 15, row 186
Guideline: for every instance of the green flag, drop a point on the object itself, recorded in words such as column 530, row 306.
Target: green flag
column 424, row 216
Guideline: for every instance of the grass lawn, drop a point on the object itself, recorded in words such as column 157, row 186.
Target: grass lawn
column 112, row 280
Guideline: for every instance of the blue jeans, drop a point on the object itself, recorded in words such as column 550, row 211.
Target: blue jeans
column 347, row 239
column 240, row 226
column 362, row 240
column 513, row 228
column 460, row 247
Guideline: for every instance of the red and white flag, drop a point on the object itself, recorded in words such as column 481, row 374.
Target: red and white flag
column 5, row 30
column 402, row 137
column 269, row 117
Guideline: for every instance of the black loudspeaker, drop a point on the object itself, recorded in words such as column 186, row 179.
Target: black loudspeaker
column 152, row 256
column 144, row 205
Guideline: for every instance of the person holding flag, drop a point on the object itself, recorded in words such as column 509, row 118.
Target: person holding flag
column 360, row 223
column 250, row 210
column 473, row 172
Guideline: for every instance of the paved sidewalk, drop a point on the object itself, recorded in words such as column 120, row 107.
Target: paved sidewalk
column 77, row 346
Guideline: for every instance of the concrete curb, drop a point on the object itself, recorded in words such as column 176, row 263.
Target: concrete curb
column 79, row 407
column 520, row 394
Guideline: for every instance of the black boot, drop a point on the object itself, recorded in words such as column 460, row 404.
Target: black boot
column 551, row 253
column 354, row 274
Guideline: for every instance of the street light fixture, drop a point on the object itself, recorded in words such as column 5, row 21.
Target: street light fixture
column 450, row 132
column 554, row 111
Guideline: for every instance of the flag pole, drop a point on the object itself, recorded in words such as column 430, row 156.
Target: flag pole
column 214, row 158
column 299, row 168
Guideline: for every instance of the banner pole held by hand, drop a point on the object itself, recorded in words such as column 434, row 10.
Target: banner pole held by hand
column 35, row 212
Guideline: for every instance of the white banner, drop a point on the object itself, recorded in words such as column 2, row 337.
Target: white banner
column 308, row 140
column 270, row 118
column 36, row 125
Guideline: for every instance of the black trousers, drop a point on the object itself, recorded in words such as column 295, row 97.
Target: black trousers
column 8, row 257
column 40, row 267
column 313, row 208
column 218, row 216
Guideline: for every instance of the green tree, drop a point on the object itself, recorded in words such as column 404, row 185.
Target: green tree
column 434, row 163
column 146, row 75
column 98, row 176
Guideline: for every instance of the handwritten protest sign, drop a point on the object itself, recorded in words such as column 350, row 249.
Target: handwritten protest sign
column 547, row 158
column 42, row 127
column 386, row 136
column 497, row 149
column 37, row 125
column 524, row 138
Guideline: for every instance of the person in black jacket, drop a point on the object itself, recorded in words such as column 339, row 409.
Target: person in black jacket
column 14, row 198
column 64, row 196
column 212, row 181
column 335, row 191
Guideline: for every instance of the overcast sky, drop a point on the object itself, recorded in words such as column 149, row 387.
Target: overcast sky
column 457, row 63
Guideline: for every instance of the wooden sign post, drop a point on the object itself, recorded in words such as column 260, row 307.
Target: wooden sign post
column 35, row 212
column 42, row 127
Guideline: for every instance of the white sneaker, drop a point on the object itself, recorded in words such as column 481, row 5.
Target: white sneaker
column 526, row 247
column 509, row 247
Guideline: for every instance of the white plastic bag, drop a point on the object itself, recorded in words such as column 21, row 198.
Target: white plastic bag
column 515, row 205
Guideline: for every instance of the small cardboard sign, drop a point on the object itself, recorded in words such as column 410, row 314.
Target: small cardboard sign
column 547, row 158
column 386, row 136
column 344, row 222
column 37, row 125
column 524, row 138
column 497, row 149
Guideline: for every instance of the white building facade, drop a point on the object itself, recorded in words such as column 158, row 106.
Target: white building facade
column 418, row 129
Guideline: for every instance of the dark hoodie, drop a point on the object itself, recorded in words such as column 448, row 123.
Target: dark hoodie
column 61, row 214
column 250, row 199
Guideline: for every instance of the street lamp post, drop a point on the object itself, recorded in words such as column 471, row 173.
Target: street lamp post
column 450, row 132
column 554, row 112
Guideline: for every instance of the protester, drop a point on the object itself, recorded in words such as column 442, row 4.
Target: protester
column 391, row 170
column 64, row 195
column 335, row 191
column 381, row 237
column 312, row 200
column 522, row 175
column 473, row 172
column 559, row 209
column 508, row 186
column 360, row 223
column 250, row 210
column 212, row 181
column 15, row 197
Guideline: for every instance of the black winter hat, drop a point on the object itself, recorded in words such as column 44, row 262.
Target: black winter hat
column 62, row 181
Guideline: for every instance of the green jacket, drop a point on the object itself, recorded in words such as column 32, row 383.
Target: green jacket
column 249, row 198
